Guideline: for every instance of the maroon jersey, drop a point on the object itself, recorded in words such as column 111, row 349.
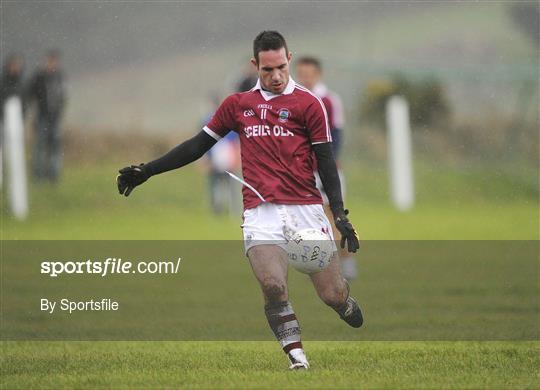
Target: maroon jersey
column 276, row 137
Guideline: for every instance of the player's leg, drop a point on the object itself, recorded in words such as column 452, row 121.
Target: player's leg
column 55, row 150
column 40, row 152
column 213, row 187
column 269, row 264
column 333, row 290
column 330, row 285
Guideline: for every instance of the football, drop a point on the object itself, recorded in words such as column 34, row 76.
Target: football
column 310, row 251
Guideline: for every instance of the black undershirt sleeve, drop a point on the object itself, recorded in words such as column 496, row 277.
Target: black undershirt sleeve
column 329, row 176
column 183, row 154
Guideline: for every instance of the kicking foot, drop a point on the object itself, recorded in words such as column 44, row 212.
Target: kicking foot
column 298, row 359
column 351, row 313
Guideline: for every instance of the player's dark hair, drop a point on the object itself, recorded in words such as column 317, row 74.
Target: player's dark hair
column 308, row 60
column 268, row 40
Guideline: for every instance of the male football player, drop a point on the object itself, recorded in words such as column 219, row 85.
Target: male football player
column 309, row 74
column 282, row 128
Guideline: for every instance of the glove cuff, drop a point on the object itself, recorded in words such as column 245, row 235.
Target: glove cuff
column 147, row 170
column 337, row 209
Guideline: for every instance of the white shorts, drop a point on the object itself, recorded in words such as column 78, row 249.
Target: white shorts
column 271, row 223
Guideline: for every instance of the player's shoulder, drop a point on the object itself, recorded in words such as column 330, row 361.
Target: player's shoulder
column 231, row 99
column 231, row 102
column 237, row 97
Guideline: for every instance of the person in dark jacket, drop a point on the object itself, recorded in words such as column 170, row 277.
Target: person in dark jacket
column 248, row 80
column 11, row 83
column 46, row 88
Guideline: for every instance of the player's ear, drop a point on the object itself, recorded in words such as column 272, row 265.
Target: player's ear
column 254, row 63
column 289, row 56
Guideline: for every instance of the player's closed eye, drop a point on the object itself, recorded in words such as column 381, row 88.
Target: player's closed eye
column 268, row 69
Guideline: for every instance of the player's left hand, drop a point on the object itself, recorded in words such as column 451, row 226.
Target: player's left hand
column 130, row 177
column 348, row 234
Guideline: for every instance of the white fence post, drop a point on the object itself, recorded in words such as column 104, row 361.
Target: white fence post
column 400, row 153
column 15, row 157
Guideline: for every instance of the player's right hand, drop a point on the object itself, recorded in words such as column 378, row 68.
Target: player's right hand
column 130, row 177
column 348, row 234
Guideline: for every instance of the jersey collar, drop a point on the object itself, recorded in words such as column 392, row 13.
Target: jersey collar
column 267, row 95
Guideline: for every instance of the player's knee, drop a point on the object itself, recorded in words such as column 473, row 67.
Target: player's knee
column 274, row 289
column 334, row 297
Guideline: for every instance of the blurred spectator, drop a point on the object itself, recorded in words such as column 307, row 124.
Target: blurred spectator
column 46, row 88
column 225, row 194
column 11, row 83
column 309, row 74
column 248, row 80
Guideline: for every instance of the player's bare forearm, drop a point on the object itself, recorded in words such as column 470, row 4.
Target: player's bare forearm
column 183, row 154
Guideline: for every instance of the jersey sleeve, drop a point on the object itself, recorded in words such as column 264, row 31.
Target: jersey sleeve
column 317, row 122
column 223, row 119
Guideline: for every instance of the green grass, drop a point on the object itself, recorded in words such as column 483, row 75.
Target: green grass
column 452, row 204
column 445, row 295
column 409, row 290
column 261, row 365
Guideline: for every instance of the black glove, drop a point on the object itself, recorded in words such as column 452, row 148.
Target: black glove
column 131, row 177
column 347, row 231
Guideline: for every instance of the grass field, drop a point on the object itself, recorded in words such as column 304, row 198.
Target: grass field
column 261, row 365
column 406, row 298
column 474, row 204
